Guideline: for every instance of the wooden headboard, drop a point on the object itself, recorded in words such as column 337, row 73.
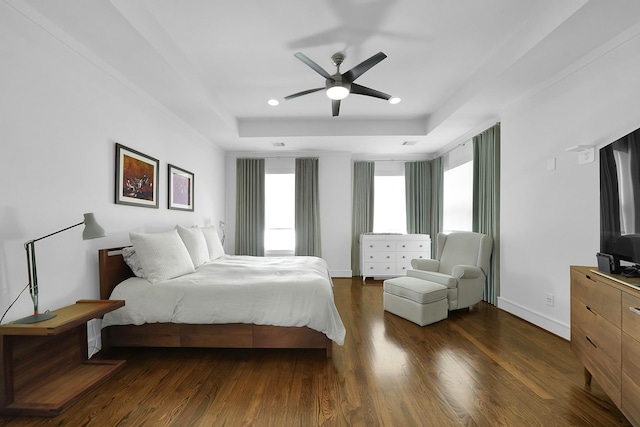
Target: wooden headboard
column 113, row 270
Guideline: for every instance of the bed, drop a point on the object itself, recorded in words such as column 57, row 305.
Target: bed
column 179, row 326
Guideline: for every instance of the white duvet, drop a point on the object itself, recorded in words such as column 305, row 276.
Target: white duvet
column 280, row 291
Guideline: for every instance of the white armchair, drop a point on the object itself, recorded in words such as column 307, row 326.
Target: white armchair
column 461, row 265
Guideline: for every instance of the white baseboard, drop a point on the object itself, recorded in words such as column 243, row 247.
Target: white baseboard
column 561, row 329
column 340, row 273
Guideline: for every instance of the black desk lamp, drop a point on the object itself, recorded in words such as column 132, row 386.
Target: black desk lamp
column 92, row 230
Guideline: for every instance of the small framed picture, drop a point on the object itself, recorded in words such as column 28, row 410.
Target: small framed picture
column 136, row 178
column 180, row 189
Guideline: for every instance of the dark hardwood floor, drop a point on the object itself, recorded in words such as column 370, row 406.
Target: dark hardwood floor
column 480, row 367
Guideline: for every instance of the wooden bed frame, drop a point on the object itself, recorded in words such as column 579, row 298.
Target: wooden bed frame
column 114, row 270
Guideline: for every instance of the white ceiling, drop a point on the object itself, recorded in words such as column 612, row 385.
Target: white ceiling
column 455, row 64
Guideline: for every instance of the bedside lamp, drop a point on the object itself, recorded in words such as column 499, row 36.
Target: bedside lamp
column 92, row 230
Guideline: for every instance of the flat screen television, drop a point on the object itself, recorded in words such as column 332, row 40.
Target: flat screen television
column 620, row 202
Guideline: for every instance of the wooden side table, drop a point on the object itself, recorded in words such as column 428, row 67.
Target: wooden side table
column 45, row 365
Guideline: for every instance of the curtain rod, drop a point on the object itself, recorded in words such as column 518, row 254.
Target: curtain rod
column 468, row 140
column 278, row 157
column 388, row 160
column 462, row 144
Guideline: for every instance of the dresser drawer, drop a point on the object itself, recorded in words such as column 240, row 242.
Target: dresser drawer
column 406, row 257
column 631, row 315
column 378, row 245
column 402, row 267
column 597, row 343
column 413, row 245
column 630, row 399
column 388, row 257
column 601, row 298
column 596, row 330
column 381, row 268
column 631, row 378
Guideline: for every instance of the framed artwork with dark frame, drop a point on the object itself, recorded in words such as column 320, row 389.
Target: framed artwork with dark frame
column 136, row 178
column 181, row 183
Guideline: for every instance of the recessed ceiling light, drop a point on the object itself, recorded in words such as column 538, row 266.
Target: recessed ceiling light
column 394, row 100
column 273, row 102
column 278, row 144
column 409, row 143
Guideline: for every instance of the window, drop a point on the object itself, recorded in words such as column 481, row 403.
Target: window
column 389, row 203
column 457, row 210
column 280, row 186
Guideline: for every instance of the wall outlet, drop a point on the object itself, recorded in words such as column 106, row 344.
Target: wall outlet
column 549, row 300
column 551, row 164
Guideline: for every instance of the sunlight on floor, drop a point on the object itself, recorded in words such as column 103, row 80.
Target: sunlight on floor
column 458, row 378
column 388, row 358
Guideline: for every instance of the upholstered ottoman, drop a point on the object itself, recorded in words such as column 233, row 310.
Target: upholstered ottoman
column 417, row 300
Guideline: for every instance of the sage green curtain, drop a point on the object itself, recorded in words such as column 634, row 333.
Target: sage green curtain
column 250, row 180
column 417, row 177
column 307, row 215
column 362, row 212
column 486, row 201
column 437, row 196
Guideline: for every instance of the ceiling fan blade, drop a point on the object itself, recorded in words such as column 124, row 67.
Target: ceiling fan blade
column 335, row 107
column 304, row 92
column 363, row 90
column 318, row 69
column 363, row 67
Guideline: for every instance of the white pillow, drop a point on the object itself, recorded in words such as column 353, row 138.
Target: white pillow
column 213, row 242
column 132, row 260
column 196, row 244
column 163, row 256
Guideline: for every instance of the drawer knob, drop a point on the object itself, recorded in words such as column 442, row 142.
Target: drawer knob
column 420, row 246
column 635, row 310
column 388, row 245
column 403, row 246
column 370, row 246
column 388, row 257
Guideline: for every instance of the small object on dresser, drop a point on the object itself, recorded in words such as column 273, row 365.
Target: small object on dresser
column 607, row 263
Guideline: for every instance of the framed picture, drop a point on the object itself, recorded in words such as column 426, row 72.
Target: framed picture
column 136, row 178
column 180, row 189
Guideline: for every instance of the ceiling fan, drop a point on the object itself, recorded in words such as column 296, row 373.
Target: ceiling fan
column 338, row 86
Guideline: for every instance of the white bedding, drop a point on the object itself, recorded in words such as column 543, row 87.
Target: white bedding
column 286, row 291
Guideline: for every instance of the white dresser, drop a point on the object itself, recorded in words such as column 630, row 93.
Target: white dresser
column 390, row 255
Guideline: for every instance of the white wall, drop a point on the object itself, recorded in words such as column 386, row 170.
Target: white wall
column 550, row 219
column 60, row 116
column 334, row 187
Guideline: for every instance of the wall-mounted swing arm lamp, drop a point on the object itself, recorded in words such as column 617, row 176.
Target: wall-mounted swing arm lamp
column 92, row 230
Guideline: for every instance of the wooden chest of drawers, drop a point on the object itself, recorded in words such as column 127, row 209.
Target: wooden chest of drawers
column 390, row 255
column 605, row 334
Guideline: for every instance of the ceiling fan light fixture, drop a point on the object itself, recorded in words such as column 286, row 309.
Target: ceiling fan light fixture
column 339, row 85
column 337, row 92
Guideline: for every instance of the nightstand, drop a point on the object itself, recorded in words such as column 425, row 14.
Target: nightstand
column 46, row 367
